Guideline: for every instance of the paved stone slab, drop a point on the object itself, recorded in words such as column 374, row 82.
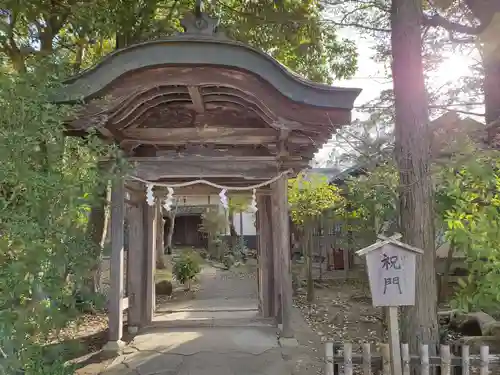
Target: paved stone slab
column 286, row 342
column 203, row 351
column 206, row 315
column 248, row 345
column 235, row 363
column 253, row 340
column 210, row 304
column 118, row 369
column 158, row 364
column 218, row 351
column 268, row 363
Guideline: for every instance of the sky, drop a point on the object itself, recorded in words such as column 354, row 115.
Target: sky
column 370, row 77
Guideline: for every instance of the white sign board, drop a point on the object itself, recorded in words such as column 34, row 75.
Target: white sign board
column 391, row 271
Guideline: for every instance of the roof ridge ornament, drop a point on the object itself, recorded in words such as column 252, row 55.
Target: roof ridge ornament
column 200, row 24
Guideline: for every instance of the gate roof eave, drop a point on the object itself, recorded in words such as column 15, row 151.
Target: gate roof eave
column 198, row 50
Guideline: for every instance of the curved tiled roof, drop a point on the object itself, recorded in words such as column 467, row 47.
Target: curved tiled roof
column 197, row 50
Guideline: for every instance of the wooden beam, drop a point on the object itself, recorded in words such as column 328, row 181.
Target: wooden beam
column 201, row 159
column 215, row 135
column 286, row 163
column 204, row 190
column 131, row 202
column 282, row 144
column 105, row 132
column 284, row 134
column 130, row 147
column 194, row 93
column 221, row 151
column 203, row 167
column 116, row 264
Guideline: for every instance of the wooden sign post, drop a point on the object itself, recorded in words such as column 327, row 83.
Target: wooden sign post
column 391, row 272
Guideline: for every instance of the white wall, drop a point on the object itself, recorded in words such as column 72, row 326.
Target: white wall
column 248, row 219
column 201, row 200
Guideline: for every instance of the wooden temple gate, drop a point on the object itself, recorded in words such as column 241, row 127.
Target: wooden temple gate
column 200, row 106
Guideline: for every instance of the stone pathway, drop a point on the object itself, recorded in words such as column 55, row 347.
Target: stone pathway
column 237, row 283
column 203, row 351
column 218, row 333
column 224, row 297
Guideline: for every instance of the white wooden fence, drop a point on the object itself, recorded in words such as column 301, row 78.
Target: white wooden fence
column 369, row 363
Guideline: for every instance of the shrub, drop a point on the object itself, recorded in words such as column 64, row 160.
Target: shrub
column 228, row 261
column 47, row 182
column 163, row 288
column 186, row 267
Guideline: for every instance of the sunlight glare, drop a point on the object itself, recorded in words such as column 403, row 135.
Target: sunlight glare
column 452, row 68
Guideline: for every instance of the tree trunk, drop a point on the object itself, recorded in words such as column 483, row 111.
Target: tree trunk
column 18, row 61
column 412, row 151
column 97, row 229
column 160, row 228
column 491, row 88
column 309, row 261
column 376, row 227
column 321, row 236
column 170, row 231
column 443, row 290
column 80, row 49
column 233, row 235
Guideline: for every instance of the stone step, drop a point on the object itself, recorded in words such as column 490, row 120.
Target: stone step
column 245, row 318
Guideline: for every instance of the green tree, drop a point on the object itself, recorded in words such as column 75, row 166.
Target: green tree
column 480, row 29
column 468, row 203
column 237, row 204
column 213, row 224
column 44, row 250
column 77, row 34
column 309, row 196
column 293, row 32
column 373, row 199
column 466, row 179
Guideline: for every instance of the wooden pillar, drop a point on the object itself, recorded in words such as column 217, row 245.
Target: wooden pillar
column 259, row 264
column 242, row 239
column 150, row 217
column 282, row 249
column 135, row 260
column 266, row 282
column 348, row 249
column 275, row 255
column 116, row 264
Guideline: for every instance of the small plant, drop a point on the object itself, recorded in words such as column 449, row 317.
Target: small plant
column 214, row 223
column 239, row 250
column 228, row 261
column 185, row 269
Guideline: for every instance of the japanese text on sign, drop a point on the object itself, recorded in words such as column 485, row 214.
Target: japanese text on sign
column 391, row 283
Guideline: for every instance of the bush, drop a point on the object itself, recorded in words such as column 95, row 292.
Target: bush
column 228, row 261
column 46, row 191
column 163, row 288
column 186, row 267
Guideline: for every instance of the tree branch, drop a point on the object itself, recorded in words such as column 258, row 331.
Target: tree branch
column 467, row 40
column 439, row 21
column 357, row 25
column 466, row 112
